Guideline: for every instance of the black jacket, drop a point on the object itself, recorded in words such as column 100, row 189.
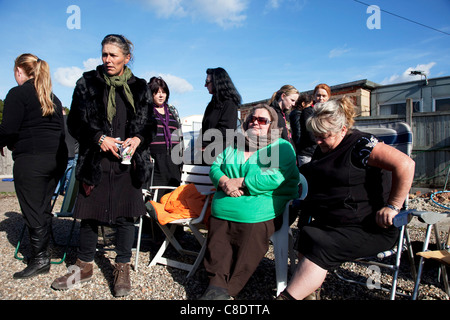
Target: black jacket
column 220, row 115
column 294, row 121
column 25, row 131
column 87, row 122
column 307, row 143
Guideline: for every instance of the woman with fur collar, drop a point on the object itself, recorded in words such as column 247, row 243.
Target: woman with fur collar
column 110, row 111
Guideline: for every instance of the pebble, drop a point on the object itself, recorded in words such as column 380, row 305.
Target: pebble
column 164, row 283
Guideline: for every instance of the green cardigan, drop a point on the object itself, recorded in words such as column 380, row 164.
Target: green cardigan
column 271, row 179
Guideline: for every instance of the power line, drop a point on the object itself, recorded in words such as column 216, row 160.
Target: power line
column 398, row 16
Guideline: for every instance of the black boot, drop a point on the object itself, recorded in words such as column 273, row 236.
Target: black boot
column 39, row 262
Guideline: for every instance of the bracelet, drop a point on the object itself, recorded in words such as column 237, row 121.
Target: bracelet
column 390, row 206
column 102, row 138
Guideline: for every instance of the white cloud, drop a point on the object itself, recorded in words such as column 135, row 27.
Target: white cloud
column 406, row 75
column 68, row 76
column 337, row 52
column 176, row 84
column 225, row 13
column 274, row 4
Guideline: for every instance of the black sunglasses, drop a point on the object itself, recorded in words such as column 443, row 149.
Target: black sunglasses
column 261, row 120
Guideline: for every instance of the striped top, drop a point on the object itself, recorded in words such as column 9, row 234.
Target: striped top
column 160, row 144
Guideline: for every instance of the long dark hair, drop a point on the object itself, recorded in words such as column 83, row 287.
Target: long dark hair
column 223, row 87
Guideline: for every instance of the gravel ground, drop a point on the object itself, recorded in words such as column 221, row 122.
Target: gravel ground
column 163, row 283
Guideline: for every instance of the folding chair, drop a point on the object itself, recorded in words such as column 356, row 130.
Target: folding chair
column 431, row 219
column 283, row 242
column 199, row 176
column 65, row 211
column 398, row 135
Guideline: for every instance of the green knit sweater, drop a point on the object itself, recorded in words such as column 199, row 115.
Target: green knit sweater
column 271, row 179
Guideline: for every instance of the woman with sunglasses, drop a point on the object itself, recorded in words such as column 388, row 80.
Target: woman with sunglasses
column 220, row 115
column 111, row 108
column 254, row 178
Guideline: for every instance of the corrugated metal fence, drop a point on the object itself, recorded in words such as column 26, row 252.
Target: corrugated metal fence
column 431, row 145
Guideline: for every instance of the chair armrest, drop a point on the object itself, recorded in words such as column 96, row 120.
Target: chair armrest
column 430, row 217
column 402, row 218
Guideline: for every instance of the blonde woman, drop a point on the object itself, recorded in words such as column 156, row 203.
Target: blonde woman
column 356, row 186
column 282, row 101
column 33, row 128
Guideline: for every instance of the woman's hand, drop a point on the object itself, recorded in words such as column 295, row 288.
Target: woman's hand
column 133, row 143
column 109, row 145
column 385, row 217
column 231, row 187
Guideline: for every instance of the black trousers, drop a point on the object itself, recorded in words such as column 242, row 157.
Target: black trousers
column 35, row 180
column 125, row 232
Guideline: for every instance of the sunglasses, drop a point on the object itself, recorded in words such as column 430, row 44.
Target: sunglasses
column 261, row 120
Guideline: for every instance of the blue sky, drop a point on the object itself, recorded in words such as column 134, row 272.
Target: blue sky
column 263, row 44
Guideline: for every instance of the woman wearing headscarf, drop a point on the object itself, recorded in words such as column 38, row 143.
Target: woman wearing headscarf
column 110, row 109
column 255, row 178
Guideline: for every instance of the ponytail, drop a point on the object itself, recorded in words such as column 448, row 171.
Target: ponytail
column 287, row 89
column 40, row 71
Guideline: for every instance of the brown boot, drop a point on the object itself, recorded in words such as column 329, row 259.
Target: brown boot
column 122, row 283
column 78, row 273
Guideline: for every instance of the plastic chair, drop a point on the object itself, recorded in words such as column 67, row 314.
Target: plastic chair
column 283, row 243
column 199, row 176
column 398, row 135
column 65, row 211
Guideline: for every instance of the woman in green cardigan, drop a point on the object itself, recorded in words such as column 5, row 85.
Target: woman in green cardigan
column 255, row 179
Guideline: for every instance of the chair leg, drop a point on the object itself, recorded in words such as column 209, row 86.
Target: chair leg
column 421, row 262
column 138, row 244
column 279, row 241
column 198, row 260
column 16, row 252
column 66, row 247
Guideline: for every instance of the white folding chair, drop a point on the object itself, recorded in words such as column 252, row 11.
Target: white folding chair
column 199, row 176
column 283, row 243
column 398, row 135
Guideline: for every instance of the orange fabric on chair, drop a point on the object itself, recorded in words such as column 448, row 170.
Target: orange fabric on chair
column 184, row 202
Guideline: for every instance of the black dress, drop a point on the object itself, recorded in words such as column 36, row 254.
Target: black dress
column 344, row 194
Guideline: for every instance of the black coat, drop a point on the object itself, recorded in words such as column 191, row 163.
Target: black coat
column 87, row 122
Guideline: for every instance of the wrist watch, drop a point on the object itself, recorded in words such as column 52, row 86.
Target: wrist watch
column 390, row 206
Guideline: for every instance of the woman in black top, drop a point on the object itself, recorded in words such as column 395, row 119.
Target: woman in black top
column 307, row 143
column 220, row 115
column 303, row 102
column 110, row 108
column 356, row 186
column 33, row 128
